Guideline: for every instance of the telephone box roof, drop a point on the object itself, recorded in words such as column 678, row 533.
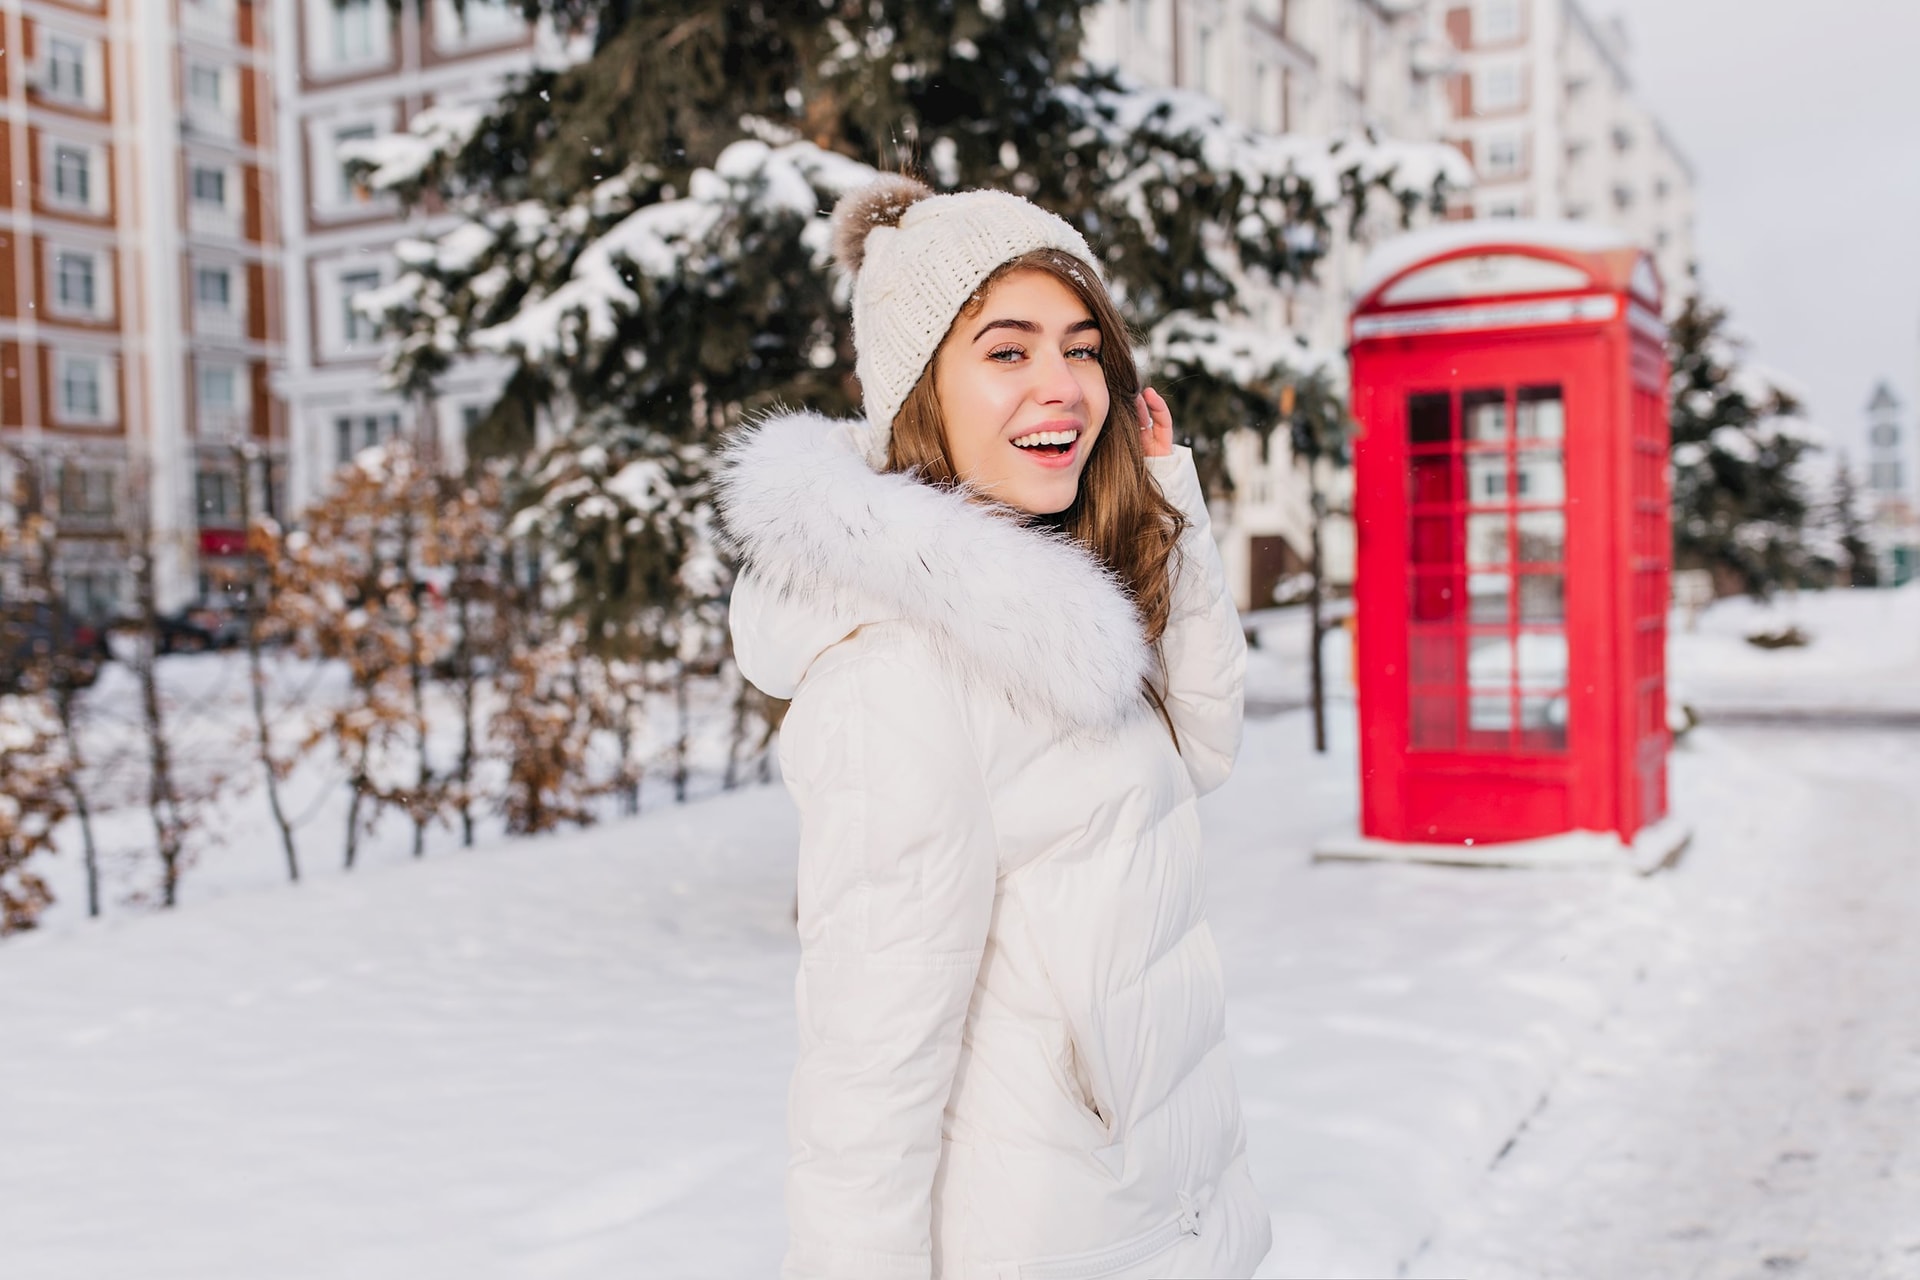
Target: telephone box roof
column 1397, row 255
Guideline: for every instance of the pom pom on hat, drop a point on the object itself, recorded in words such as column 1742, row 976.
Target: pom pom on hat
column 878, row 205
column 916, row 259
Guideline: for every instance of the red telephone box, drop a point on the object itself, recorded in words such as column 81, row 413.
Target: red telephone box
column 1510, row 385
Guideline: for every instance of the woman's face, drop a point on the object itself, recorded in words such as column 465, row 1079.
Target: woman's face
column 1022, row 392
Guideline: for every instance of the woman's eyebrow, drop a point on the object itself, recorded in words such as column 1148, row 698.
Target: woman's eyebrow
column 1028, row 326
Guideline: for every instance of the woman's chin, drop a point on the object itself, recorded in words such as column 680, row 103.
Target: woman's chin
column 1045, row 499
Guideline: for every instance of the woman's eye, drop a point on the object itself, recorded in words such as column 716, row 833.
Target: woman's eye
column 1084, row 353
column 1005, row 355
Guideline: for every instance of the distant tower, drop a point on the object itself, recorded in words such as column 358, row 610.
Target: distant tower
column 1890, row 486
column 1886, row 446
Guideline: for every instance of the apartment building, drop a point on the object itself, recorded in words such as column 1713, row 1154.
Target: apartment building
column 139, row 282
column 1325, row 68
column 352, row 70
column 1535, row 93
column 1543, row 105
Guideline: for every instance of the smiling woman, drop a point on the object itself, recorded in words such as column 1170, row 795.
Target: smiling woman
column 1003, row 623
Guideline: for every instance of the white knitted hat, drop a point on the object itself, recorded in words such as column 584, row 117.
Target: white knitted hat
column 916, row 258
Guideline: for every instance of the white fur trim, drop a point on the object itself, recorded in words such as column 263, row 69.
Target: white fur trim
column 1004, row 607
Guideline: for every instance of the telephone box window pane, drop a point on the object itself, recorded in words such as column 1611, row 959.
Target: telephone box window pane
column 1490, row 710
column 1430, row 419
column 1490, row 683
column 1543, row 660
column 1542, row 476
column 1487, row 540
column 1435, row 596
column 1543, row 721
column 1539, row 414
column 1435, row 540
column 1543, row 537
column 1435, row 722
column 1543, row 599
column 1433, row 478
column 1489, row 593
column 1434, row 656
column 1487, row 479
column 1484, row 414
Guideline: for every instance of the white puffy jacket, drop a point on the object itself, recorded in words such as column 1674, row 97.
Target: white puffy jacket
column 1012, row 1048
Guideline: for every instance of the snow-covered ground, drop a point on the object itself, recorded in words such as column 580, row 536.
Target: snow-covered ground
column 566, row 1056
column 1863, row 654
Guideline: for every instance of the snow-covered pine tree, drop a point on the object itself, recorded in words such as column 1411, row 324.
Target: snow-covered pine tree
column 645, row 230
column 1740, row 504
column 1858, row 565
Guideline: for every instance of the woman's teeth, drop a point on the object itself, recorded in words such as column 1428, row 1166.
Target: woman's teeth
column 1038, row 439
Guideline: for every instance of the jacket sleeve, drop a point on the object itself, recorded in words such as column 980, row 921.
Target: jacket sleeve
column 1204, row 646
column 897, row 879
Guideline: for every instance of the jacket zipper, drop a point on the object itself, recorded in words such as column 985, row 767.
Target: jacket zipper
column 1093, row 1266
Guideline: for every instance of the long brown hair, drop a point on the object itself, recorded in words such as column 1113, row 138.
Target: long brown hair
column 1119, row 514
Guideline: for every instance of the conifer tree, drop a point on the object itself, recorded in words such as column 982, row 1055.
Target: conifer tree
column 644, row 233
column 1740, row 504
column 1859, row 565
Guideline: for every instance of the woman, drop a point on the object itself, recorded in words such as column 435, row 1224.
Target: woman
column 1013, row 662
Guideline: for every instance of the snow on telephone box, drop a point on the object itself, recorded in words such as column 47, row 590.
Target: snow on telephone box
column 1510, row 386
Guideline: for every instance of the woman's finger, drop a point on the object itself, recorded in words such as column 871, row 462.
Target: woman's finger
column 1156, row 423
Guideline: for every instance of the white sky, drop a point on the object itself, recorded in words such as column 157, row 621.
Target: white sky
column 1803, row 125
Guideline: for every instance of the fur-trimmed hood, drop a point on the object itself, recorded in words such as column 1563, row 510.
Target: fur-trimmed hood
column 829, row 544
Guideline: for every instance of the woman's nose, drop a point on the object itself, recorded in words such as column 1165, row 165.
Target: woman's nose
column 1057, row 384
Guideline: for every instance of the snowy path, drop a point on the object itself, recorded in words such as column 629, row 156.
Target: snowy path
column 1756, row 1111
column 567, row 1056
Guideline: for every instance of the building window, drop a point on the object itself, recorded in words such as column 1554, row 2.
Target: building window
column 213, row 289
column 79, row 284
column 66, row 74
column 80, row 385
column 1885, row 434
column 354, row 432
column 351, row 190
column 1503, row 155
column 93, row 594
column 1884, row 477
column 355, row 37
column 355, row 326
column 72, row 176
column 217, row 398
column 217, row 383
column 1622, row 197
column 86, row 492
column 1499, row 88
column 478, row 22
column 217, row 497
column 1622, row 138
column 1499, row 21
column 1660, row 188
column 209, row 186
column 1503, row 209
column 203, row 86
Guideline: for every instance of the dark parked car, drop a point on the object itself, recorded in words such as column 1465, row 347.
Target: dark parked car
column 34, row 634
column 200, row 627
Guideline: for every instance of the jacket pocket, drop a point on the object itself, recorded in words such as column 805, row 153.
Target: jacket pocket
column 1080, row 1084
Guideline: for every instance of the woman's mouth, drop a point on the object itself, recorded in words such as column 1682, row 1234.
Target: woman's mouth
column 1049, row 448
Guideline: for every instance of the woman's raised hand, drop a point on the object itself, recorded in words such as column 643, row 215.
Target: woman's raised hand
column 1156, row 423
